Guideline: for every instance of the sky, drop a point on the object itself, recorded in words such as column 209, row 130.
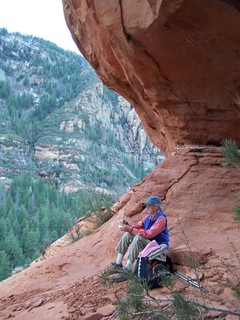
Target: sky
column 40, row 18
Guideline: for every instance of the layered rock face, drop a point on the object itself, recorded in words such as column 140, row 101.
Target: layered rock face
column 176, row 61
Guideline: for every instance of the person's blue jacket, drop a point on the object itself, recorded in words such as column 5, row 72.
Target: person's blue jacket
column 163, row 237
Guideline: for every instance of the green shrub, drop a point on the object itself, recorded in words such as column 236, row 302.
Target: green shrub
column 98, row 203
column 236, row 291
column 231, row 154
column 237, row 212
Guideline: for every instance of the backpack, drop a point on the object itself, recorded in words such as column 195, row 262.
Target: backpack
column 152, row 272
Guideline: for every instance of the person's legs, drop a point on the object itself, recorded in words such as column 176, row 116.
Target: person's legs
column 119, row 259
column 122, row 248
column 124, row 243
column 137, row 245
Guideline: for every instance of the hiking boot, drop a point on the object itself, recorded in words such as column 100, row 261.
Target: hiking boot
column 115, row 267
column 120, row 277
column 123, row 275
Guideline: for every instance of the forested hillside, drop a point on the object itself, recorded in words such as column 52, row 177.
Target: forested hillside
column 63, row 137
column 61, row 122
column 33, row 214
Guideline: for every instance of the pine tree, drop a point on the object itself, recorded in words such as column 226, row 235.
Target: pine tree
column 3, row 231
column 231, row 154
column 4, row 266
column 13, row 250
column 31, row 245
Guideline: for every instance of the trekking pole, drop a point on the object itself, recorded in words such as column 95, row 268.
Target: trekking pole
column 190, row 281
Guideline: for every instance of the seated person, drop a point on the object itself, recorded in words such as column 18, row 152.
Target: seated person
column 138, row 236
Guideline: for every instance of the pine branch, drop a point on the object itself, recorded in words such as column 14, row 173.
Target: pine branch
column 207, row 307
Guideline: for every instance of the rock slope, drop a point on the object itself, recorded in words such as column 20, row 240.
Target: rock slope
column 198, row 197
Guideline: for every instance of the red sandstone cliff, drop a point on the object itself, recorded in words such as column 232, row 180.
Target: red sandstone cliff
column 178, row 63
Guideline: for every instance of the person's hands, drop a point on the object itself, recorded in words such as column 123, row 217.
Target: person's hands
column 123, row 222
column 125, row 228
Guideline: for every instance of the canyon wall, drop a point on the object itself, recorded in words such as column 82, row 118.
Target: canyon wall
column 177, row 62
